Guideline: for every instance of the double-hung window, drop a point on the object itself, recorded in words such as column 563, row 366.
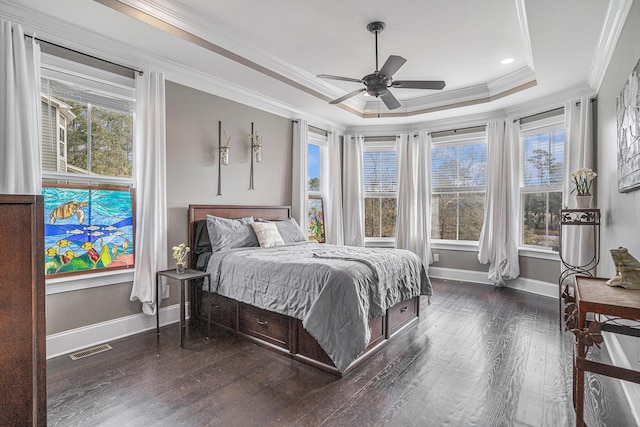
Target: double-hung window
column 380, row 173
column 458, row 181
column 317, row 184
column 87, row 168
column 542, row 164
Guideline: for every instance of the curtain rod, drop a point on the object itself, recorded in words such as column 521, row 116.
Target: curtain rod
column 83, row 54
column 539, row 114
column 552, row 110
column 456, row 130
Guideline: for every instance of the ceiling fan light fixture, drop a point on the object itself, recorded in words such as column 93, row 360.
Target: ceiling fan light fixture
column 377, row 84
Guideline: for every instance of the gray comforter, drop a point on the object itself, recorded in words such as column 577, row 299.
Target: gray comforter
column 334, row 290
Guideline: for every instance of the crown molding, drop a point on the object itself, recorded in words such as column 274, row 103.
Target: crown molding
column 508, row 84
column 614, row 22
column 521, row 10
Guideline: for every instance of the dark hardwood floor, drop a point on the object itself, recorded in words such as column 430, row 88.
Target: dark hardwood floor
column 478, row 357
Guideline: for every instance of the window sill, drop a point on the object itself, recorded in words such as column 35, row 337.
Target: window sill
column 380, row 243
column 455, row 245
column 469, row 246
column 538, row 253
column 59, row 285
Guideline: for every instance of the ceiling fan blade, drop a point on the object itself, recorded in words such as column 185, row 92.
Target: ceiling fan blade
column 390, row 101
column 419, row 84
column 392, row 65
column 346, row 79
column 347, row 96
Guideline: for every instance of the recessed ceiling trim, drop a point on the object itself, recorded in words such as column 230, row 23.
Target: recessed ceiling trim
column 453, row 105
column 199, row 41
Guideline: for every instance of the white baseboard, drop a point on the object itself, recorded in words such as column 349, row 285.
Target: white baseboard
column 619, row 358
column 98, row 333
column 521, row 283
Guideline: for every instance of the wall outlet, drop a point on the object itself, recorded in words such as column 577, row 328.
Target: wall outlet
column 436, row 257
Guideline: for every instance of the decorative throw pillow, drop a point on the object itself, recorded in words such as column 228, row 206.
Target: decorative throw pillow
column 289, row 230
column 225, row 233
column 267, row 233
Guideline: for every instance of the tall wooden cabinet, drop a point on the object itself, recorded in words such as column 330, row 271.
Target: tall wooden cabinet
column 22, row 315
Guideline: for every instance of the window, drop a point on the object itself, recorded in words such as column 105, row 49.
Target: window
column 87, row 168
column 542, row 163
column 316, row 178
column 458, row 180
column 380, row 173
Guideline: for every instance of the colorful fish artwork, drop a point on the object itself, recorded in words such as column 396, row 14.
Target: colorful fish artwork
column 88, row 229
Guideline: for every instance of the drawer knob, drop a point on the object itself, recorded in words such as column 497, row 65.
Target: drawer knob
column 403, row 309
column 216, row 306
column 262, row 322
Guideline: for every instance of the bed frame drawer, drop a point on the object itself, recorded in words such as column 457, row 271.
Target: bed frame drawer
column 222, row 310
column 401, row 314
column 377, row 326
column 266, row 325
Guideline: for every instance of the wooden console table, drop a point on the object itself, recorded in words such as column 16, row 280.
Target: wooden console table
column 592, row 295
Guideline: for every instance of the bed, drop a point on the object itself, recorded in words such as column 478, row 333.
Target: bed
column 322, row 305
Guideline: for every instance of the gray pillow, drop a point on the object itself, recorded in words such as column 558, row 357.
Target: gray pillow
column 225, row 233
column 289, row 230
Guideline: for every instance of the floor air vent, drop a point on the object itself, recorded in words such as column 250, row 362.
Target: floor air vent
column 90, row 351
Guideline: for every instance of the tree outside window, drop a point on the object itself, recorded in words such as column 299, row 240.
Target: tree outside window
column 541, row 190
column 380, row 173
column 458, row 176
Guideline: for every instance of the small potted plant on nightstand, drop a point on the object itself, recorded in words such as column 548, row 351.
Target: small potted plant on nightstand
column 179, row 254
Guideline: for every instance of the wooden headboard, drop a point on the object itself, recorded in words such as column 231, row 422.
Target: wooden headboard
column 199, row 212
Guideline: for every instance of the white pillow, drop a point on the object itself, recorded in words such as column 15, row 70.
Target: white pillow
column 267, row 233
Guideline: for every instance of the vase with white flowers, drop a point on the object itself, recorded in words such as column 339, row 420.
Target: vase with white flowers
column 179, row 255
column 582, row 179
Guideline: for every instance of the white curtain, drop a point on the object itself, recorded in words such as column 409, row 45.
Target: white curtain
column 333, row 203
column 413, row 224
column 150, row 175
column 353, row 196
column 20, row 120
column 578, row 153
column 300, row 174
column 498, row 243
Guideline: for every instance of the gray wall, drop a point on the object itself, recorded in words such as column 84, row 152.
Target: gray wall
column 621, row 211
column 70, row 310
column 530, row 268
column 192, row 155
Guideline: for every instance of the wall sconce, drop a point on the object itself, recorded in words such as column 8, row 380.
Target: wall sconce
column 224, row 150
column 256, row 145
column 223, row 155
column 256, row 153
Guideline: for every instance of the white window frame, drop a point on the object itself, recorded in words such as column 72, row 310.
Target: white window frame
column 452, row 141
column 548, row 125
column 380, row 146
column 322, row 142
column 56, row 67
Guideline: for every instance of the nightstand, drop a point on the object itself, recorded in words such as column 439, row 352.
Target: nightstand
column 184, row 279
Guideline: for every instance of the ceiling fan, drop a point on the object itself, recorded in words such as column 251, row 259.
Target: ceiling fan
column 378, row 83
